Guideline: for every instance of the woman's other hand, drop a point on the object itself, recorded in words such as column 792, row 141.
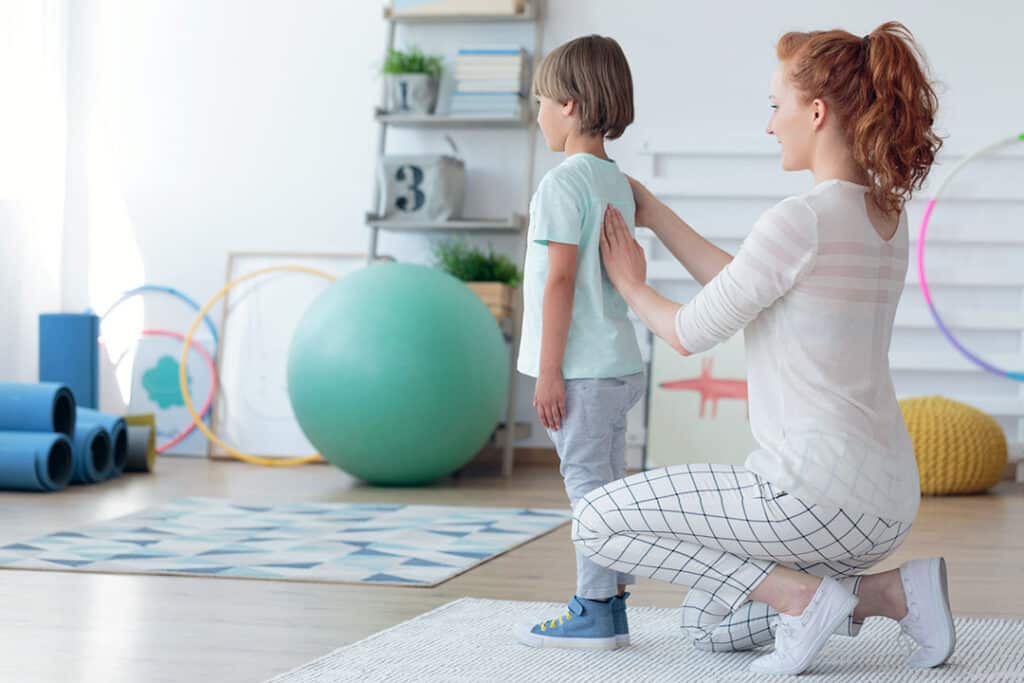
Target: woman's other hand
column 624, row 259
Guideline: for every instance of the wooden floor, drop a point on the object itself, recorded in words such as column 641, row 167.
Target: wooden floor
column 86, row 628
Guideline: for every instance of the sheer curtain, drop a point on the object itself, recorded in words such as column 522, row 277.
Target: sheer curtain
column 33, row 150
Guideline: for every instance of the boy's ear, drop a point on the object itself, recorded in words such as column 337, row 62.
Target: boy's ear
column 569, row 108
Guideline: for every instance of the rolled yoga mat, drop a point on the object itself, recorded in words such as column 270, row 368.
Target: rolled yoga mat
column 117, row 432
column 90, row 453
column 69, row 353
column 141, row 448
column 44, row 407
column 34, row 461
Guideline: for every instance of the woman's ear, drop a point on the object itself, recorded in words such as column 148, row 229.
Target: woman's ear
column 819, row 112
column 569, row 108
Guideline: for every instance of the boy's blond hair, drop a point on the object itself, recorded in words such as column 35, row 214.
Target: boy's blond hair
column 592, row 71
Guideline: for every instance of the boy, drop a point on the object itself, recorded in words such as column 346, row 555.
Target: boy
column 577, row 339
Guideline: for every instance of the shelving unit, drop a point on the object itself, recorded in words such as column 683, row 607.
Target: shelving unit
column 451, row 120
column 529, row 13
column 514, row 224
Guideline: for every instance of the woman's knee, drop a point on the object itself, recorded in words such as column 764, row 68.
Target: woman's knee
column 711, row 638
column 701, row 615
column 698, row 634
column 701, row 610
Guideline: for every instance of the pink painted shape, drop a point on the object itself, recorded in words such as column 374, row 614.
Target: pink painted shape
column 710, row 388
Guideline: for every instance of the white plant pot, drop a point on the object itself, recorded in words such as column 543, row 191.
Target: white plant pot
column 412, row 93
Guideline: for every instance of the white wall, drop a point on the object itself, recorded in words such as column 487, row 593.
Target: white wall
column 203, row 126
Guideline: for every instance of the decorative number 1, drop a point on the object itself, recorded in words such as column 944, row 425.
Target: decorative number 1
column 414, row 177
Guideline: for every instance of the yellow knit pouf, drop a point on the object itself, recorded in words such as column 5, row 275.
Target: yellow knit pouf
column 959, row 449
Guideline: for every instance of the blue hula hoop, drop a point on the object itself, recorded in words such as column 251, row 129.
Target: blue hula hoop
column 171, row 291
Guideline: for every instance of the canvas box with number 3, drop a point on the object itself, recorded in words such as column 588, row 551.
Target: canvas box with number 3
column 422, row 187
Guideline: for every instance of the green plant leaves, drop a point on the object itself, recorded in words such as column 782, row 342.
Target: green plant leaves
column 469, row 264
column 412, row 62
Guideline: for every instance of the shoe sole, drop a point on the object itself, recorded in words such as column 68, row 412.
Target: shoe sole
column 622, row 640
column 819, row 643
column 530, row 639
column 939, row 575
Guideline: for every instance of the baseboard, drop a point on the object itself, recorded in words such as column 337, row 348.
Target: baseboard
column 490, row 458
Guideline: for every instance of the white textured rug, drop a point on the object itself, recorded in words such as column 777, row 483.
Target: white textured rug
column 470, row 640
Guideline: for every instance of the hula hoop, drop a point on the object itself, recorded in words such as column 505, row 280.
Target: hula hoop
column 926, row 291
column 205, row 410
column 183, row 379
column 171, row 291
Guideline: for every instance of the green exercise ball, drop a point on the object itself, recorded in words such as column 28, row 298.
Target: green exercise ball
column 398, row 374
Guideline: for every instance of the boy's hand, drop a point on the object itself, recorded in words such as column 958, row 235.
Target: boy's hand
column 549, row 400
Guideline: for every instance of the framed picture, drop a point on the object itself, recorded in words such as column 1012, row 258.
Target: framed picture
column 252, row 411
column 697, row 410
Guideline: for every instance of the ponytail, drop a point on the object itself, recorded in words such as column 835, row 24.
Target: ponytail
column 878, row 87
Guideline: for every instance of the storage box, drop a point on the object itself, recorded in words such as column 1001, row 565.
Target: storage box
column 421, row 187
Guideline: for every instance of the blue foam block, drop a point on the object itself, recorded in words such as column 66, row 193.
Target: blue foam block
column 117, row 430
column 69, row 353
column 43, row 407
column 34, row 461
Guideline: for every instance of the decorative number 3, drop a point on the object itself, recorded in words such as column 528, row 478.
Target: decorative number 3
column 414, row 176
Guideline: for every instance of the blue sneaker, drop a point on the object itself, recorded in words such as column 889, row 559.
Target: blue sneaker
column 587, row 624
column 619, row 619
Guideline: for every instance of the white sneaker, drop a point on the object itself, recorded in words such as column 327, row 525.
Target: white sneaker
column 929, row 621
column 848, row 627
column 798, row 640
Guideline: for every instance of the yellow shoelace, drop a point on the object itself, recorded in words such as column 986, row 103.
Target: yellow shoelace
column 553, row 623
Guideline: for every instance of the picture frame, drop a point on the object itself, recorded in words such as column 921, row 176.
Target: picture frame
column 252, row 411
column 697, row 406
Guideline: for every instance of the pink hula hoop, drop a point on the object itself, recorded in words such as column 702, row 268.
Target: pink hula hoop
column 205, row 355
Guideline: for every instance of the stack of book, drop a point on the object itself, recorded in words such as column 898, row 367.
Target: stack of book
column 441, row 8
column 489, row 81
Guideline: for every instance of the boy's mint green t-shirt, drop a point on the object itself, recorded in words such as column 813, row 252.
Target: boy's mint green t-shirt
column 568, row 207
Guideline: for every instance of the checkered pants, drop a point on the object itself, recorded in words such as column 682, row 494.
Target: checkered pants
column 720, row 529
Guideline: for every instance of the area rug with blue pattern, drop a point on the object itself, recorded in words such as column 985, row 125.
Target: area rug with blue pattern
column 406, row 545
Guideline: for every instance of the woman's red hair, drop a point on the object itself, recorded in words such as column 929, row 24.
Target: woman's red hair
column 878, row 87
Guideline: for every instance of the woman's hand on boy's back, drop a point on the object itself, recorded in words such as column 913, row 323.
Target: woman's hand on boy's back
column 549, row 400
column 623, row 258
column 647, row 205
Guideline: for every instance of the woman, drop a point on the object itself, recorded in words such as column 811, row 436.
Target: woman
column 777, row 549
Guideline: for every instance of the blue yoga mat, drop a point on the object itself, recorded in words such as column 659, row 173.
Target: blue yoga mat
column 117, row 430
column 34, row 461
column 90, row 452
column 44, row 407
column 69, row 354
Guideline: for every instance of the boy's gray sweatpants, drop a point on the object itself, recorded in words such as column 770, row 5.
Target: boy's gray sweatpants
column 592, row 448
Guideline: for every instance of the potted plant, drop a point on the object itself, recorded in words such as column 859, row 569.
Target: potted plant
column 493, row 277
column 413, row 79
